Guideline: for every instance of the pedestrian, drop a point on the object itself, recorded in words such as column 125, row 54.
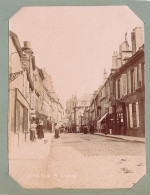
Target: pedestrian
column 106, row 128
column 92, row 128
column 102, row 128
column 85, row 129
column 40, row 130
column 66, row 129
column 37, row 130
column 56, row 131
column 33, row 130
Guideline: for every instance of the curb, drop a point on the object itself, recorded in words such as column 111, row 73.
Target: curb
column 120, row 138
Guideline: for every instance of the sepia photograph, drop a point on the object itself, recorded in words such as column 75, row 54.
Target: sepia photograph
column 76, row 117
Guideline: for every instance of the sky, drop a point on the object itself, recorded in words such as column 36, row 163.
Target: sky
column 74, row 44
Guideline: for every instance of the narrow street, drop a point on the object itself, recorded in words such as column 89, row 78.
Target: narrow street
column 90, row 161
column 87, row 161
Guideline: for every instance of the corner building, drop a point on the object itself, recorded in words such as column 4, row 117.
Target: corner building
column 129, row 82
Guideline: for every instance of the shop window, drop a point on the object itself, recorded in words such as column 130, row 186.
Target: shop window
column 25, row 120
column 19, row 117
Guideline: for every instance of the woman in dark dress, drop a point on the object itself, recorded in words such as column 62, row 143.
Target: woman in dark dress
column 40, row 130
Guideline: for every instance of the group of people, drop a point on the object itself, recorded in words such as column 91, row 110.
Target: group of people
column 89, row 128
column 36, row 130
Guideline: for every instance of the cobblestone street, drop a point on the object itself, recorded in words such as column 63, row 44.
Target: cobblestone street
column 84, row 161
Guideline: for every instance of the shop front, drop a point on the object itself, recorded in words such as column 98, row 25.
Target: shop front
column 21, row 117
column 43, row 118
column 121, row 126
column 19, row 132
column 101, row 121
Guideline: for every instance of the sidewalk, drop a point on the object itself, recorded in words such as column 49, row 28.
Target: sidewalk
column 123, row 137
column 34, row 150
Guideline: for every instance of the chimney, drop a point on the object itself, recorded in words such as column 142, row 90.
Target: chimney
column 27, row 44
column 136, row 39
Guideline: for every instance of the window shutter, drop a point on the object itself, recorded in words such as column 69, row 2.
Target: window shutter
column 121, row 87
column 140, row 76
column 135, row 70
column 129, row 82
column 116, row 89
column 131, row 117
column 137, row 113
column 124, row 84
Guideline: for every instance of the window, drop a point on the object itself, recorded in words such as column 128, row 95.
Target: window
column 143, row 74
column 116, row 89
column 136, row 77
column 129, row 82
column 140, row 76
column 132, row 81
column 124, row 84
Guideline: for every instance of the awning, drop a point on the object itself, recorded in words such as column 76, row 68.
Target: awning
column 41, row 116
column 102, row 118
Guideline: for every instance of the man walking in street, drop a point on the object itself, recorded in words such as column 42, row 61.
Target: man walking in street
column 33, row 130
column 92, row 128
column 56, row 131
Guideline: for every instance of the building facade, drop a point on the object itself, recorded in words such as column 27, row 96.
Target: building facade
column 121, row 97
column 21, row 91
column 30, row 94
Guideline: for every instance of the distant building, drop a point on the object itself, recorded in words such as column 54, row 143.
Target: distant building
column 75, row 109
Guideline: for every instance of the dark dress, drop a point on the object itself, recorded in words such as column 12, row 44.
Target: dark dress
column 56, row 132
column 92, row 129
column 40, row 131
column 85, row 130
